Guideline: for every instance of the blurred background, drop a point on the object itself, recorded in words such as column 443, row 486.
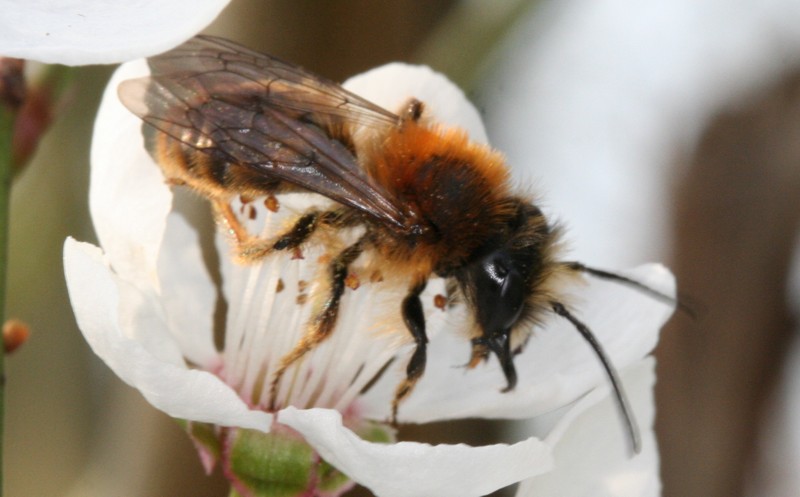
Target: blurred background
column 668, row 131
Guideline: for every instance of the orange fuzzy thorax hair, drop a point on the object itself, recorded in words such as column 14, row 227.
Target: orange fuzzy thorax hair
column 457, row 189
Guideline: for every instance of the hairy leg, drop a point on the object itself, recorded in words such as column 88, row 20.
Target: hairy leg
column 414, row 318
column 323, row 323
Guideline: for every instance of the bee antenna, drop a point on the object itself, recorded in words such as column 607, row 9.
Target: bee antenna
column 682, row 302
column 616, row 383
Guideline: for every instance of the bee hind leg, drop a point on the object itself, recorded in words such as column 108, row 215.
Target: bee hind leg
column 323, row 323
column 251, row 248
column 227, row 219
column 257, row 248
column 414, row 318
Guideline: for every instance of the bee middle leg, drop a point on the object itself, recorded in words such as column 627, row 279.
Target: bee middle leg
column 414, row 318
column 323, row 323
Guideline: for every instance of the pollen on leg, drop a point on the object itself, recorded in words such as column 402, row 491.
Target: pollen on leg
column 302, row 295
column 480, row 353
column 272, row 203
column 246, row 208
column 352, row 282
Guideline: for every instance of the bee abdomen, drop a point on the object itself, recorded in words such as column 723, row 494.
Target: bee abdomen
column 208, row 171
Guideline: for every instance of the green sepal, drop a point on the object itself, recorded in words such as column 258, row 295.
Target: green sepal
column 206, row 438
column 377, row 432
column 277, row 464
column 331, row 479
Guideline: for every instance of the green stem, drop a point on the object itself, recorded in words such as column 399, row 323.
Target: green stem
column 6, row 133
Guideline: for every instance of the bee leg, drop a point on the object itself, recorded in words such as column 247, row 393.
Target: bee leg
column 323, row 323
column 414, row 318
column 225, row 217
column 251, row 248
column 297, row 235
column 480, row 353
column 414, row 109
column 291, row 239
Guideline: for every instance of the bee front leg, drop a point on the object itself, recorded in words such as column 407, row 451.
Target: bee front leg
column 414, row 318
column 323, row 323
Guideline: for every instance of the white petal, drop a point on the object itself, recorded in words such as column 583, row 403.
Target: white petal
column 187, row 293
column 270, row 302
column 556, row 367
column 410, row 469
column 92, row 32
column 593, row 460
column 172, row 388
column 128, row 199
column 392, row 85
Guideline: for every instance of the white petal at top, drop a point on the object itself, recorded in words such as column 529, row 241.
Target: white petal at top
column 392, row 85
column 82, row 32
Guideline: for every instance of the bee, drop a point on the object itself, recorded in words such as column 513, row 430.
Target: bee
column 229, row 122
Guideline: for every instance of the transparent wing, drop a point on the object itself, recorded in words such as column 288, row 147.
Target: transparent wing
column 275, row 118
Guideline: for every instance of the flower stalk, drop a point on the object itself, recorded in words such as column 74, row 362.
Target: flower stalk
column 8, row 107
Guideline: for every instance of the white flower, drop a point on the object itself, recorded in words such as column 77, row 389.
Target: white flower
column 91, row 32
column 594, row 461
column 145, row 301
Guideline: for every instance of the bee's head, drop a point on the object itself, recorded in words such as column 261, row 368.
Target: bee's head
column 505, row 286
column 514, row 279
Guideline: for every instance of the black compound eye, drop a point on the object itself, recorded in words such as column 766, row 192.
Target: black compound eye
column 499, row 284
column 496, row 269
column 500, row 292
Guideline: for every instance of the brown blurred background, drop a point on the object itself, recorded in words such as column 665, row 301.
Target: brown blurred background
column 73, row 429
